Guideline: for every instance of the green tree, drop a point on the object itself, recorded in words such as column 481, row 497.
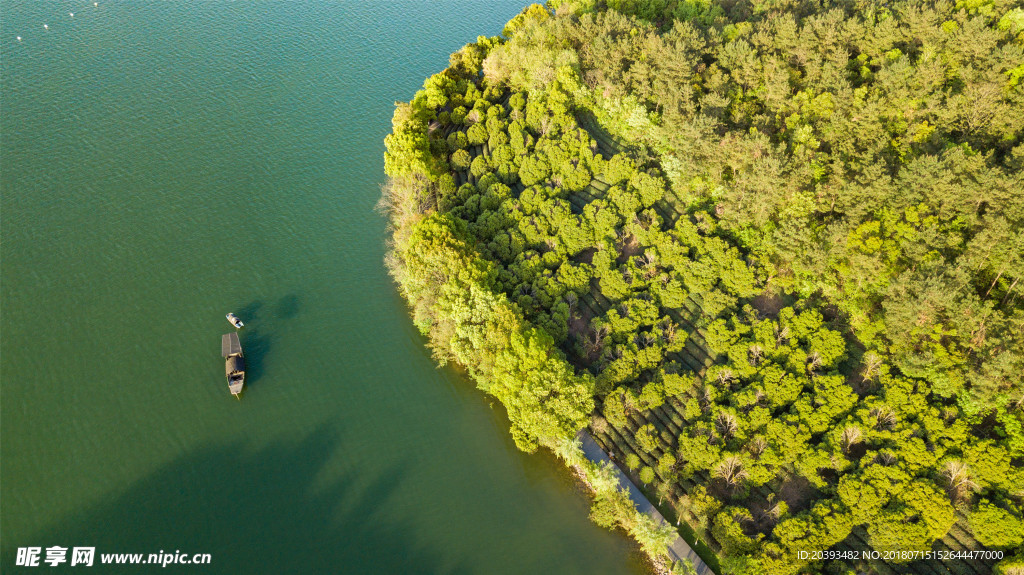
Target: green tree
column 997, row 527
column 461, row 160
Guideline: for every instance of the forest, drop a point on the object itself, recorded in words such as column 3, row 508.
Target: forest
column 769, row 253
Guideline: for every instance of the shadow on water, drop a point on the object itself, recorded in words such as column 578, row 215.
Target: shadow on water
column 250, row 312
column 259, row 333
column 256, row 344
column 255, row 511
column 287, row 306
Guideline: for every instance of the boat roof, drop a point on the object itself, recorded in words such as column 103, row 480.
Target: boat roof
column 229, row 345
column 233, row 364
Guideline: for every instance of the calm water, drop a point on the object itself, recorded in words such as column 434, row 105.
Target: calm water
column 164, row 163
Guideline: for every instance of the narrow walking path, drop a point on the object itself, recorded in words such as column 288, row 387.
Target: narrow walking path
column 679, row 550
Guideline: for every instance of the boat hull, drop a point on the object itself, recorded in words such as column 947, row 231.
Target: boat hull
column 234, row 362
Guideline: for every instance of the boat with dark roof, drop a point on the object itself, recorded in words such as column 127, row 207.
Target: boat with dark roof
column 234, row 362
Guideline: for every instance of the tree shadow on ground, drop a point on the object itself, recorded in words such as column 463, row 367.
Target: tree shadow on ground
column 268, row 510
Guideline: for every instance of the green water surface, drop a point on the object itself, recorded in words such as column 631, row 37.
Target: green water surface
column 164, row 163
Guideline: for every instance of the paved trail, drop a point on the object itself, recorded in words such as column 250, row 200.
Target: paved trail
column 679, row 549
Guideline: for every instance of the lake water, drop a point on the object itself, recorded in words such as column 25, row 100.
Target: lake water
column 164, row 163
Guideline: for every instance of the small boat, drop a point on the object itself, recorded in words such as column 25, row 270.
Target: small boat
column 234, row 362
column 233, row 320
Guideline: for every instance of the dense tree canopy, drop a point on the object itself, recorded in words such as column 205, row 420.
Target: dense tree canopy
column 771, row 252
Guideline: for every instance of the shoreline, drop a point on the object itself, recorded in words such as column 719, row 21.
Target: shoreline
column 679, row 550
column 654, row 564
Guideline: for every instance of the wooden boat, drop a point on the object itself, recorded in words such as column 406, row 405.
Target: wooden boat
column 234, row 362
column 233, row 320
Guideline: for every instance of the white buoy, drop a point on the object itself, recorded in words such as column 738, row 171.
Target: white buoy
column 72, row 14
column 19, row 38
column 95, row 3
